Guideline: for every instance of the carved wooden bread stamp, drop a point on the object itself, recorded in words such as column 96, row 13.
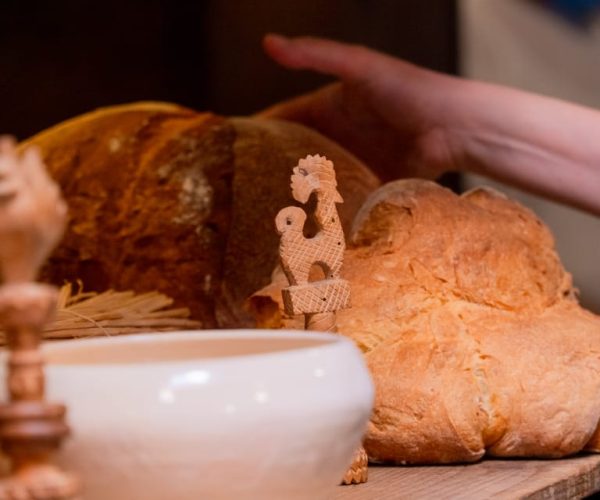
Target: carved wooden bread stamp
column 316, row 300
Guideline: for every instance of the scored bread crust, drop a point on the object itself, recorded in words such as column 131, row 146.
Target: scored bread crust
column 470, row 328
column 164, row 198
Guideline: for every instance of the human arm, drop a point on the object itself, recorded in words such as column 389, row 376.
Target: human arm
column 404, row 120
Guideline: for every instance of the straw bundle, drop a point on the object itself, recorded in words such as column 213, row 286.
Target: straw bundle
column 90, row 314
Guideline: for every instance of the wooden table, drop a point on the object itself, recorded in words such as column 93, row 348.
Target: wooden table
column 569, row 478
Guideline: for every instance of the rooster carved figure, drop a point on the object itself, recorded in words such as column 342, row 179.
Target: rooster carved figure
column 313, row 174
column 317, row 300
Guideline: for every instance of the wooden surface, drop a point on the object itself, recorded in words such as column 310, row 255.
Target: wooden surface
column 575, row 477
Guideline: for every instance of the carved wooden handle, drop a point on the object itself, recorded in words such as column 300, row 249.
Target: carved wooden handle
column 32, row 220
column 32, row 213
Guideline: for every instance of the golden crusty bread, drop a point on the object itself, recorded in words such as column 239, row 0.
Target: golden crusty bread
column 470, row 328
column 165, row 198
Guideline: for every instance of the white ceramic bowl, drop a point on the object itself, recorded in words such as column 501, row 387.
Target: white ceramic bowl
column 211, row 414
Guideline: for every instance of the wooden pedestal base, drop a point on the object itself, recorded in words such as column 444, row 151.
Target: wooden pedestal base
column 31, row 429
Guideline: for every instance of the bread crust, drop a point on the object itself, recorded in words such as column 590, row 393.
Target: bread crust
column 470, row 327
column 164, row 198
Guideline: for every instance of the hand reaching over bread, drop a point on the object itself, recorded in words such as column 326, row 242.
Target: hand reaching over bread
column 406, row 121
column 376, row 118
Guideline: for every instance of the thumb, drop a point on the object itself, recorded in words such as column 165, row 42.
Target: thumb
column 304, row 108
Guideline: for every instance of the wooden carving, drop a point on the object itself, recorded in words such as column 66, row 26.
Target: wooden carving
column 316, row 300
column 32, row 219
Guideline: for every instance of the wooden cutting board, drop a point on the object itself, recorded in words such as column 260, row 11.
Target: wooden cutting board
column 568, row 478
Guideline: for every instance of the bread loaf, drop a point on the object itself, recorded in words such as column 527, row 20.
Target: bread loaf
column 468, row 321
column 470, row 327
column 164, row 198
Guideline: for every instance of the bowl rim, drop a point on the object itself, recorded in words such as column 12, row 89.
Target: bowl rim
column 324, row 342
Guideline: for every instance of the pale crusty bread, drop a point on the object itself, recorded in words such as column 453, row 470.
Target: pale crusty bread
column 164, row 198
column 470, row 328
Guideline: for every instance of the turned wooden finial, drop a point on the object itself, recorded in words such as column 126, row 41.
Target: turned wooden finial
column 32, row 220
column 319, row 300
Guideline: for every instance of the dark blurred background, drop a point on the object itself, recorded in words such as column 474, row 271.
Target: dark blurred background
column 65, row 57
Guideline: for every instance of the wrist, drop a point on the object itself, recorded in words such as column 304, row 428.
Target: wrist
column 462, row 120
column 444, row 142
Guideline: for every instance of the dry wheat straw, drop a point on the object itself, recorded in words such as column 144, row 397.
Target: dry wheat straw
column 90, row 314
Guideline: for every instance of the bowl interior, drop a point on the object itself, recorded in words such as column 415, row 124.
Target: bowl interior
column 181, row 346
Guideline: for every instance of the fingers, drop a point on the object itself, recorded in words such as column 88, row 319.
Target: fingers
column 344, row 61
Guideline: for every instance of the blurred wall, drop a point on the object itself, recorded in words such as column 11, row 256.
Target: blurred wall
column 65, row 57
column 524, row 45
column 243, row 80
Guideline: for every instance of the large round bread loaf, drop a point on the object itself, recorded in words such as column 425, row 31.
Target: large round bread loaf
column 470, row 327
column 164, row 198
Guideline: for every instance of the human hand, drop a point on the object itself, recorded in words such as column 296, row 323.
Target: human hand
column 391, row 114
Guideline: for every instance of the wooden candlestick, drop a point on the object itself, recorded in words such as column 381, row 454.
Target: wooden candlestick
column 318, row 301
column 32, row 220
